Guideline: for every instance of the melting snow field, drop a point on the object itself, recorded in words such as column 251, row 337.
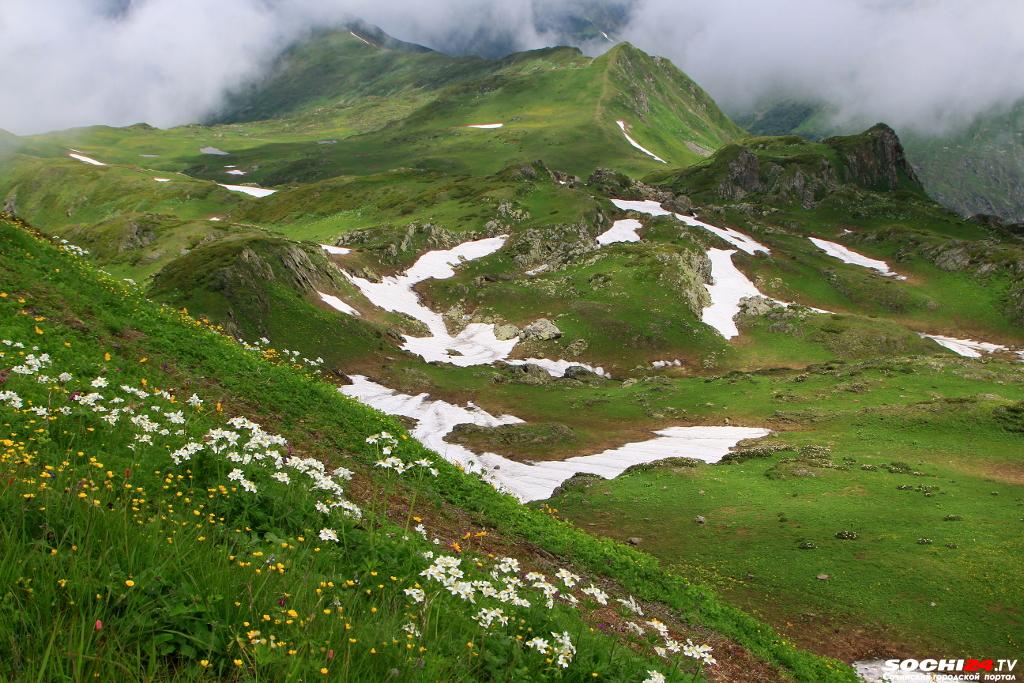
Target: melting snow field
column 730, row 284
column 337, row 251
column 968, row 348
column 733, row 237
column 621, row 231
column 337, row 304
column 536, row 481
column 485, row 125
column 85, row 159
column 729, row 288
column 235, row 171
column 162, row 180
column 249, row 190
column 474, row 345
column 622, row 127
column 846, row 255
column 213, row 150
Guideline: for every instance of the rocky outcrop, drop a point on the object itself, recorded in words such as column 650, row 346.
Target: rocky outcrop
column 790, row 169
column 875, row 159
column 553, row 245
column 541, row 329
column 686, row 273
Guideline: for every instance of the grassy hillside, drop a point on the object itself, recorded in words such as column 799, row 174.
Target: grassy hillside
column 147, row 554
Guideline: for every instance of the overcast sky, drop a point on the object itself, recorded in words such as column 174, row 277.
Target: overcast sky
column 924, row 64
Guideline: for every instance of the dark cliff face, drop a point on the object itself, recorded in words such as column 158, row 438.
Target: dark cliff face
column 790, row 169
column 875, row 160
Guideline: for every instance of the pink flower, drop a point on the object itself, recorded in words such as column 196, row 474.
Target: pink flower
column 99, row 625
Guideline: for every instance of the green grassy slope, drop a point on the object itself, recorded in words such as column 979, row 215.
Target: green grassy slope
column 108, row 538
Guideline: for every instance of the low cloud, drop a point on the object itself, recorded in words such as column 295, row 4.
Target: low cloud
column 922, row 64
column 928, row 65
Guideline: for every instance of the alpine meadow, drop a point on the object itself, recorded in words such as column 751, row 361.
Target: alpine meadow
column 409, row 364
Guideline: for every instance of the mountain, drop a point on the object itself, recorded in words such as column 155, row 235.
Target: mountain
column 759, row 388
column 974, row 169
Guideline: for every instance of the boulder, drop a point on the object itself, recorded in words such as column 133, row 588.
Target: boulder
column 541, row 329
column 506, row 332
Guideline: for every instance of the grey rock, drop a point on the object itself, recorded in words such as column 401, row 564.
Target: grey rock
column 699, row 519
column 541, row 329
column 506, row 332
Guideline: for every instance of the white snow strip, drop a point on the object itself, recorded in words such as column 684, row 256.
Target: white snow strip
column 216, row 219
column 968, row 348
column 874, row 671
column 730, row 286
column 621, row 231
column 149, row 156
column 162, row 180
column 622, row 126
column 249, row 190
column 355, row 35
column 88, row 160
column 536, row 481
column 647, row 206
column 337, row 251
column 485, row 125
column 235, row 171
column 213, row 150
column 733, row 237
column 474, row 345
column 337, row 304
column 557, row 368
column 846, row 255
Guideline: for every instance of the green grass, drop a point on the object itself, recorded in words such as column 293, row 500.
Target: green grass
column 759, row 514
column 195, row 584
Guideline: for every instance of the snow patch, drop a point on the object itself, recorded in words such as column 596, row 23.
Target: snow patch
column 621, row 231
column 622, row 127
column 968, row 348
column 647, row 206
column 734, row 237
column 213, row 150
column 846, row 255
column 337, row 304
column 162, row 180
column 235, row 171
column 249, row 190
column 474, row 345
column 537, row 481
column 337, row 251
column 729, row 288
column 359, row 37
column 85, row 159
column 485, row 125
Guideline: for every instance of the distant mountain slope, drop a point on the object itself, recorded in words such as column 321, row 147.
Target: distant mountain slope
column 978, row 169
column 413, row 107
